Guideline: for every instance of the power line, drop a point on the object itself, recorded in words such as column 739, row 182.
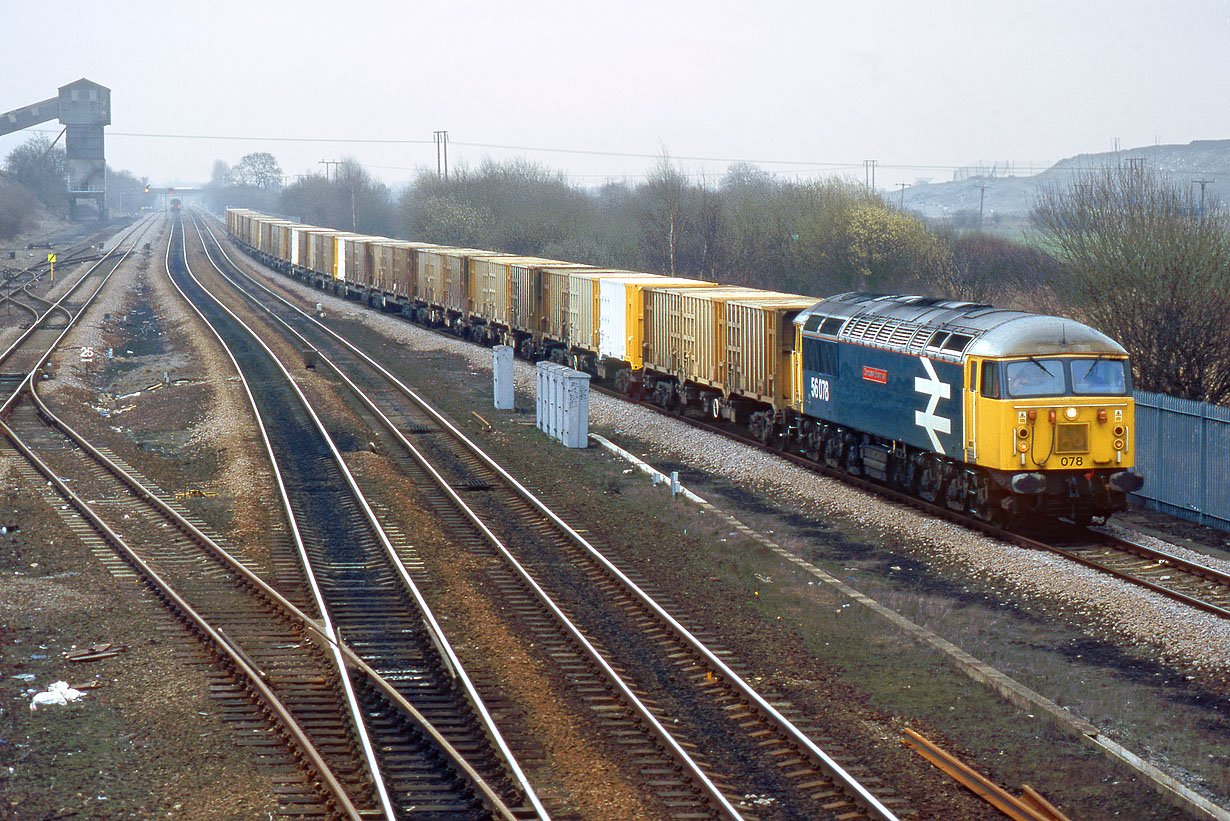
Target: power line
column 815, row 165
column 820, row 164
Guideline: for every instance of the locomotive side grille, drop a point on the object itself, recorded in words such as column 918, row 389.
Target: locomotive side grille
column 920, row 337
column 857, row 330
column 901, row 335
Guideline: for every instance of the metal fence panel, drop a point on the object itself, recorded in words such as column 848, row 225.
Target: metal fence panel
column 1183, row 451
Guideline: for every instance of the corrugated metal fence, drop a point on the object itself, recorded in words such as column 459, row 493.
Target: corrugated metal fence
column 1183, row 451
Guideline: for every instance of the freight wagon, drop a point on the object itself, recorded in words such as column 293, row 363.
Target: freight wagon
column 1000, row 413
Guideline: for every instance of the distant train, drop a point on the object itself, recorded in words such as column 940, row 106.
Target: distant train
column 176, row 204
column 1001, row 414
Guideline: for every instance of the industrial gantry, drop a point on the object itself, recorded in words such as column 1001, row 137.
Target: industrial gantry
column 83, row 108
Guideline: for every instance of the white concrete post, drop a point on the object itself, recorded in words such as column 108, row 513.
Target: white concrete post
column 558, row 386
column 502, row 375
column 575, row 433
column 543, row 395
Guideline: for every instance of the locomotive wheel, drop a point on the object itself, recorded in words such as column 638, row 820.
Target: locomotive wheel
column 931, row 480
column 988, row 498
column 958, row 496
column 833, row 451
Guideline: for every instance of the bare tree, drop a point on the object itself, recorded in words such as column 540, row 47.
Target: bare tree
column 18, row 206
column 662, row 218
column 1146, row 265
column 259, row 170
column 39, row 164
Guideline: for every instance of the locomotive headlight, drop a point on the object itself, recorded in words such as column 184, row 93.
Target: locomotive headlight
column 1119, row 430
column 1118, row 444
column 1023, row 447
column 1023, row 433
column 1070, row 413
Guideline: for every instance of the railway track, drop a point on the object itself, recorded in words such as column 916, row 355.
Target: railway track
column 365, row 596
column 294, row 685
column 29, row 351
column 110, row 503
column 17, row 288
column 1178, row 578
column 633, row 660
column 1196, row 585
column 275, row 657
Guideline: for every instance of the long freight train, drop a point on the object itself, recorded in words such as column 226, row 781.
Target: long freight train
column 999, row 413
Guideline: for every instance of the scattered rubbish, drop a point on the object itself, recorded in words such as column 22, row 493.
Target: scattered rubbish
column 194, row 494
column 59, row 693
column 25, row 676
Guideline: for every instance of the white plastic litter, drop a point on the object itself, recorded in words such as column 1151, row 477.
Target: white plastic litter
column 59, row 693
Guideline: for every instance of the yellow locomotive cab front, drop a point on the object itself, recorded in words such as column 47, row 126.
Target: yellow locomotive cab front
column 1038, row 418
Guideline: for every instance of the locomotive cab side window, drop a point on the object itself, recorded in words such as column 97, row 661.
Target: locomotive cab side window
column 990, row 380
column 820, row 355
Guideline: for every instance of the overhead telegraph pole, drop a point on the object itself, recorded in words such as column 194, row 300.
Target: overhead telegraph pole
column 326, row 164
column 1202, row 184
column 441, row 154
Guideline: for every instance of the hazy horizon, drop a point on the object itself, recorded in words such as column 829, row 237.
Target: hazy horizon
column 803, row 89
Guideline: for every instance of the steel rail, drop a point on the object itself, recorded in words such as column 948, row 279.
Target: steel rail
column 1017, row 809
column 239, row 659
column 676, row 750
column 89, row 299
column 1134, row 548
column 314, row 629
column 819, row 757
column 433, row 625
column 28, row 386
column 430, row 621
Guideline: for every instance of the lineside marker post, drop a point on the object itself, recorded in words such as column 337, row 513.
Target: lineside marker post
column 502, row 371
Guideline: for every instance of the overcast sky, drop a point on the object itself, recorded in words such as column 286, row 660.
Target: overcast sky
column 805, row 88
